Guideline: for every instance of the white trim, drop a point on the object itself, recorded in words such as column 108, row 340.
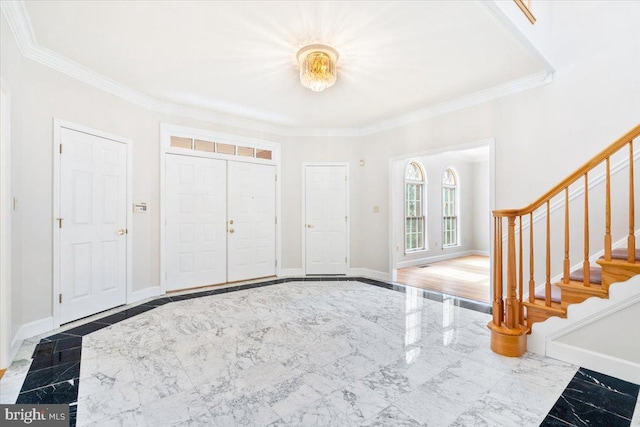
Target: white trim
column 304, row 209
column 436, row 258
column 58, row 125
column 371, row 274
column 621, row 295
column 145, row 293
column 6, row 323
column 29, row 330
column 626, row 370
column 167, row 130
column 20, row 25
column 290, row 272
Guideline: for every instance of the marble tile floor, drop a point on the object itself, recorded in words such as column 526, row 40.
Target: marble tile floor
column 305, row 353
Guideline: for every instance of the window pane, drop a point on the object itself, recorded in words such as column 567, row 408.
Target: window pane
column 263, row 154
column 226, row 148
column 205, row 146
column 245, row 151
column 179, row 142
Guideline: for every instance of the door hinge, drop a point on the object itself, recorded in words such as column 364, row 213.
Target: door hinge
column 346, row 218
column 60, row 298
column 276, row 220
column 345, row 260
column 276, row 177
column 276, row 263
column 60, row 148
column 345, row 178
column 59, row 222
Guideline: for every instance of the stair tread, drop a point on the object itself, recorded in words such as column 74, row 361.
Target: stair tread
column 621, row 253
column 540, row 303
column 595, row 275
column 595, row 288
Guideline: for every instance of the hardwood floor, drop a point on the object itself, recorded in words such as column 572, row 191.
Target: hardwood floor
column 466, row 277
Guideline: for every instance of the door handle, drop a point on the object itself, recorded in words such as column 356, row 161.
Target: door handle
column 122, row 232
column 231, row 230
column 309, row 226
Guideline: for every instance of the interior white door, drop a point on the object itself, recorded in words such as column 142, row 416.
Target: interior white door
column 325, row 220
column 251, row 237
column 196, row 221
column 93, row 239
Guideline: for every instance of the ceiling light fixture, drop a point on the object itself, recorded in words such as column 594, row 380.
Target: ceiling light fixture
column 317, row 66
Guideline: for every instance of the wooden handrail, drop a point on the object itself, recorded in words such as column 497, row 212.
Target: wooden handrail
column 579, row 173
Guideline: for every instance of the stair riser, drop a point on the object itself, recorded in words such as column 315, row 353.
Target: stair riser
column 535, row 314
column 614, row 273
column 576, row 296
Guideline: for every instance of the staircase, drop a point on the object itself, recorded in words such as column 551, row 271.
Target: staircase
column 513, row 314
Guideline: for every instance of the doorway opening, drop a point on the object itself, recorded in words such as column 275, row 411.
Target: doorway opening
column 441, row 204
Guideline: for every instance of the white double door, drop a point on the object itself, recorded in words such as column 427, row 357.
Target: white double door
column 325, row 219
column 92, row 225
column 220, row 221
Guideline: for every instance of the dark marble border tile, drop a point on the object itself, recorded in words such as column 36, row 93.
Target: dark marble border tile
column 594, row 399
column 607, row 382
column 56, row 358
column 64, row 392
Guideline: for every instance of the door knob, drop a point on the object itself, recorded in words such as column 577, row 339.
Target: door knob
column 309, row 226
column 231, row 230
column 122, row 231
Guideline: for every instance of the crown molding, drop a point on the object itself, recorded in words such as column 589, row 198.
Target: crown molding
column 20, row 25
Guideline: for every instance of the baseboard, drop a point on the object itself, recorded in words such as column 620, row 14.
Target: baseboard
column 481, row 253
column 142, row 294
column 427, row 260
column 29, row 330
column 371, row 274
column 289, row 272
column 607, row 364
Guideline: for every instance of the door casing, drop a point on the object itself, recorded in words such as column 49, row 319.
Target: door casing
column 58, row 125
column 167, row 130
column 304, row 211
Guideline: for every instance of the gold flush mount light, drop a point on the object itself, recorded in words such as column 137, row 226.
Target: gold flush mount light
column 317, row 66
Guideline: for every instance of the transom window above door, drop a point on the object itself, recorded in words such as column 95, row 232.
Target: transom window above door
column 220, row 148
column 414, row 201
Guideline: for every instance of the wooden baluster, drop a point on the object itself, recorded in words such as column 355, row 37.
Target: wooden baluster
column 586, row 265
column 631, row 240
column 565, row 278
column 520, row 279
column 607, row 234
column 547, row 283
column 512, row 303
column 497, row 272
column 532, row 283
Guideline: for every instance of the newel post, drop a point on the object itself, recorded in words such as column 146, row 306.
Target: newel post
column 508, row 335
column 513, row 307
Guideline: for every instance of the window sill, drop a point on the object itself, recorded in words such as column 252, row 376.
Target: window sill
column 415, row 251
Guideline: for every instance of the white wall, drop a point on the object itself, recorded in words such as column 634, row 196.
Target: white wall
column 541, row 135
column 481, row 206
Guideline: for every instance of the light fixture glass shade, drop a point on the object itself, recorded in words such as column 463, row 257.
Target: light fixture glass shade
column 317, row 66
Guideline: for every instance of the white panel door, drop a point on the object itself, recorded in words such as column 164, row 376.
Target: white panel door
column 195, row 244
column 93, row 239
column 251, row 233
column 326, row 220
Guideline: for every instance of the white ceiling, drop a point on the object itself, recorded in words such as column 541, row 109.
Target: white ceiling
column 239, row 57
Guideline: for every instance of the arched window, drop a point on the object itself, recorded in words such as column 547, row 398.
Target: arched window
column 449, row 208
column 414, row 197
